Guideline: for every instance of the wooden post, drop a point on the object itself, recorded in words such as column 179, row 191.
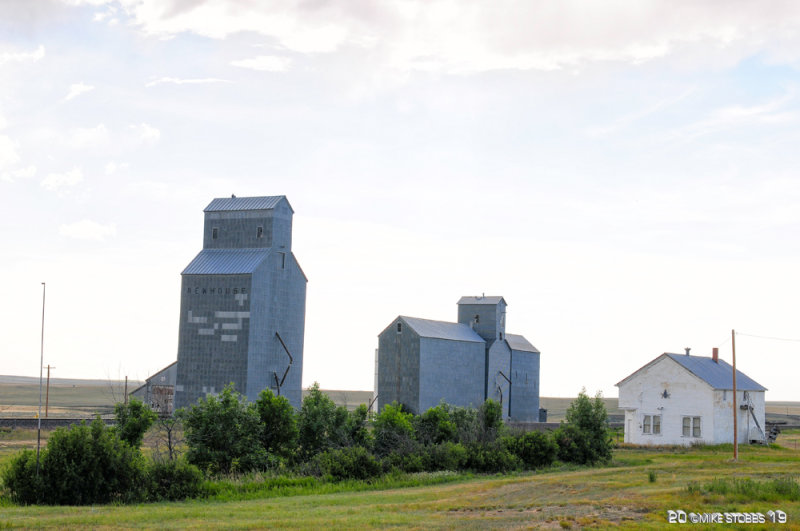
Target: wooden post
column 735, row 411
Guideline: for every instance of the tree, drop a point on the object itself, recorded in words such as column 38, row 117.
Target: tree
column 490, row 417
column 278, row 424
column 223, row 434
column 356, row 427
column 436, row 426
column 585, row 438
column 321, row 424
column 168, row 437
column 133, row 420
column 393, row 431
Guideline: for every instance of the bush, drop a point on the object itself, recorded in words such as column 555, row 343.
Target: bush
column 491, row 457
column 435, row 426
column 173, row 480
column 535, row 449
column 133, row 420
column 20, row 479
column 345, row 463
column 585, row 438
column 223, row 434
column 490, row 419
column 393, row 431
column 321, row 424
column 356, row 427
column 445, row 456
column 80, row 465
column 278, row 424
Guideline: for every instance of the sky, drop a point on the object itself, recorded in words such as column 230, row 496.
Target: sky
column 624, row 174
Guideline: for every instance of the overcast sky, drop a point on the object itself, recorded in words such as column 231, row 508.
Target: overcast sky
column 625, row 174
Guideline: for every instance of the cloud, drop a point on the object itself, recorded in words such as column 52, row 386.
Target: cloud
column 146, row 133
column 474, row 36
column 22, row 57
column 8, row 152
column 56, row 181
column 77, row 89
column 87, row 230
column 16, row 175
column 179, row 81
column 112, row 167
column 266, row 63
column 88, row 137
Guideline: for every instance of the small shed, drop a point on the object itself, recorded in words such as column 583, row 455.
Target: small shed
column 158, row 390
column 683, row 399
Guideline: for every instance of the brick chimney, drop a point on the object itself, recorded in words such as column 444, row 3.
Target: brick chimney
column 715, row 354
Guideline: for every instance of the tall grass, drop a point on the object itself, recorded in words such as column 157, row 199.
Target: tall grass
column 746, row 489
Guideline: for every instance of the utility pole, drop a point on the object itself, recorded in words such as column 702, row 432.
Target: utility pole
column 41, row 366
column 735, row 411
column 47, row 396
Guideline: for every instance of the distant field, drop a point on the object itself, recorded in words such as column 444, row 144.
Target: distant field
column 19, row 397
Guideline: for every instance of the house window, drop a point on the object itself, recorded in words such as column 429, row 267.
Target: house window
column 656, row 424
column 477, row 318
column 691, row 427
column 260, row 232
column 283, row 260
column 399, row 327
column 646, row 424
column 214, row 232
column 501, row 336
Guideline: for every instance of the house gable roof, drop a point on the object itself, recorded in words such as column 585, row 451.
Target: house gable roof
column 718, row 375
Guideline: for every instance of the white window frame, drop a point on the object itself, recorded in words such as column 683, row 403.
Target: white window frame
column 694, row 426
column 647, row 424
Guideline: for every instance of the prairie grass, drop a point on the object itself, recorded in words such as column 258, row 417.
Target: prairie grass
column 569, row 497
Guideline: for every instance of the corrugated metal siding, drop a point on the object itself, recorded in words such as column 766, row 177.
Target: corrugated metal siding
column 225, row 261
column 717, row 375
column 244, row 203
column 517, row 342
column 481, row 300
column 443, row 330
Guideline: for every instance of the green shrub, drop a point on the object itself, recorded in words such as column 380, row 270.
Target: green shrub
column 535, row 449
column 490, row 419
column 20, row 479
column 393, row 431
column 173, row 480
column 80, row 465
column 223, row 434
column 356, row 427
column 491, row 457
column 445, row 456
column 585, row 438
column 354, row 462
column 133, row 420
column 322, row 425
column 435, row 426
column 278, row 424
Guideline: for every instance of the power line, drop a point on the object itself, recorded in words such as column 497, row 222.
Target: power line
column 768, row 337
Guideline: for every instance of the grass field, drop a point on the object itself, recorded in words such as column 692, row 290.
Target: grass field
column 620, row 495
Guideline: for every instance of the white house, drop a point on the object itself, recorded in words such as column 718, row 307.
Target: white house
column 683, row 399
